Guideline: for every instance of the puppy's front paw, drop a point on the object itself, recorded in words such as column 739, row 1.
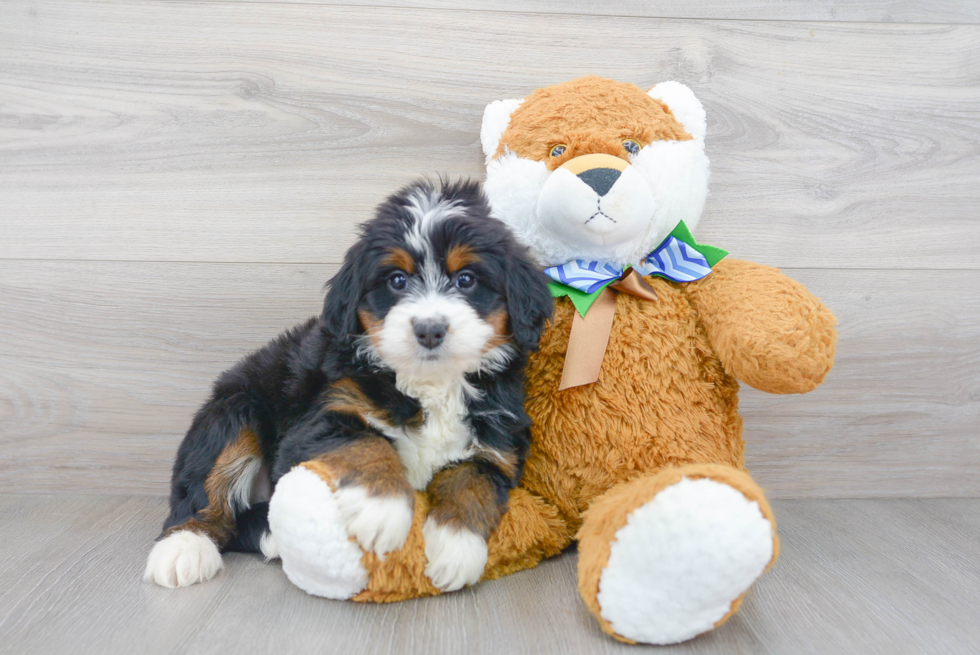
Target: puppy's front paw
column 455, row 557
column 380, row 524
column 182, row 559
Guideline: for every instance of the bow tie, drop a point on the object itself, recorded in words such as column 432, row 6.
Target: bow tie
column 673, row 259
column 678, row 258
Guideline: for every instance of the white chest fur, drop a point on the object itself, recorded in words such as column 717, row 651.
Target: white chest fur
column 444, row 437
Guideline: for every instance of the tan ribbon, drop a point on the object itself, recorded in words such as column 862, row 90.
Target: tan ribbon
column 589, row 336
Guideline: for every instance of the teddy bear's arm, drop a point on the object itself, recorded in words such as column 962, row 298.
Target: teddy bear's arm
column 766, row 328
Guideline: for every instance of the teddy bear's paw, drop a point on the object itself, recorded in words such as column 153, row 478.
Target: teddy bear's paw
column 182, row 559
column 681, row 560
column 379, row 523
column 310, row 535
column 455, row 557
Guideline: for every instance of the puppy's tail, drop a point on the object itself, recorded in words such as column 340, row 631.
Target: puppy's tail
column 253, row 535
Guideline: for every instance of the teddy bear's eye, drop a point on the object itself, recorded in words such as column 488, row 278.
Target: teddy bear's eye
column 559, row 150
column 631, row 146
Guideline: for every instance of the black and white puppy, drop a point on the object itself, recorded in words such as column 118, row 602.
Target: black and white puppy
column 411, row 379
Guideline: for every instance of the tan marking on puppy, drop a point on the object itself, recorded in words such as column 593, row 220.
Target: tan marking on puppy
column 400, row 258
column 612, row 111
column 506, row 462
column 462, row 498
column 369, row 462
column 346, row 397
column 460, row 256
column 498, row 319
column 370, row 324
column 217, row 520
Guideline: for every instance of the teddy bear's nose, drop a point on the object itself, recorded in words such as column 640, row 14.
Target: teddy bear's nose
column 600, row 179
column 599, row 170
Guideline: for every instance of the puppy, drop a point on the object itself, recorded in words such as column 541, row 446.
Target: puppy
column 410, row 379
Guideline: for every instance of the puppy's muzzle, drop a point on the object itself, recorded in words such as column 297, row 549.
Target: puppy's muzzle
column 430, row 332
column 599, row 171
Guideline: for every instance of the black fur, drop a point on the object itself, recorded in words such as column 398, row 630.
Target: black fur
column 250, row 526
column 279, row 392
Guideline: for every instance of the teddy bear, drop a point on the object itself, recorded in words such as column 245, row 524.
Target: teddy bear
column 637, row 454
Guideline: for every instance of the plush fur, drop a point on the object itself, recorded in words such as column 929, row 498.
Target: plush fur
column 664, row 411
column 412, row 378
column 664, row 179
column 689, row 560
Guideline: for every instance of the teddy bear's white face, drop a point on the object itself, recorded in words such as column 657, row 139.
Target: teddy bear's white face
column 592, row 191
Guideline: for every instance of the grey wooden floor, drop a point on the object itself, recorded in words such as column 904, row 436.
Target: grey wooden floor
column 856, row 576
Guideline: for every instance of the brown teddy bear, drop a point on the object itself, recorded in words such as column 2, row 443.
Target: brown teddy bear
column 637, row 446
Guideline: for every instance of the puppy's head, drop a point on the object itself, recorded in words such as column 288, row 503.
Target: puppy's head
column 435, row 286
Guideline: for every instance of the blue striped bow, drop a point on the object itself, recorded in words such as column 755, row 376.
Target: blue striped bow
column 673, row 259
column 678, row 258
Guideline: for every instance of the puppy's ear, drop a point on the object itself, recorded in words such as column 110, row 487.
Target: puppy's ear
column 529, row 302
column 346, row 288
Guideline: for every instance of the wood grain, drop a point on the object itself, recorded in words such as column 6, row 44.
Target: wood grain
column 105, row 363
column 179, row 179
column 861, row 576
column 263, row 132
column 873, row 11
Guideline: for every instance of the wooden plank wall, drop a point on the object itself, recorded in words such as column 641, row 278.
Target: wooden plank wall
column 178, row 180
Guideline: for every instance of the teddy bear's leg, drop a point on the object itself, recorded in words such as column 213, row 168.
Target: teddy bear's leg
column 319, row 557
column 530, row 531
column 306, row 522
column 669, row 555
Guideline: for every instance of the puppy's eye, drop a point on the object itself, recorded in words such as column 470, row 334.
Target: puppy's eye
column 397, row 281
column 631, row 146
column 465, row 281
column 559, row 150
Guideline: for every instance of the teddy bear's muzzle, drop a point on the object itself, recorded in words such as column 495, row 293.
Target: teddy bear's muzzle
column 599, row 171
column 596, row 200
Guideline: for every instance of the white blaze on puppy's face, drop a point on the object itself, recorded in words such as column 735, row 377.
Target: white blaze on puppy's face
column 564, row 214
column 461, row 350
column 428, row 209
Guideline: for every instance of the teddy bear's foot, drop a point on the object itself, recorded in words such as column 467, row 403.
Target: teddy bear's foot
column 667, row 557
column 308, row 526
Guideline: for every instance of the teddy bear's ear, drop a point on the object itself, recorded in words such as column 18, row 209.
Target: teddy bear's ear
column 495, row 119
column 682, row 103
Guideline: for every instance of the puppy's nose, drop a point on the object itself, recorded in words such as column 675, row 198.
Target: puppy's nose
column 600, row 179
column 600, row 171
column 430, row 331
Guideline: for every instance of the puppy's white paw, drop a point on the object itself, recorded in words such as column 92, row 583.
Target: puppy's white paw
column 269, row 547
column 380, row 524
column 455, row 557
column 182, row 559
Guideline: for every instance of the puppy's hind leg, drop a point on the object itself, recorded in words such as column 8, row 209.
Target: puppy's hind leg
column 216, row 468
column 253, row 534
